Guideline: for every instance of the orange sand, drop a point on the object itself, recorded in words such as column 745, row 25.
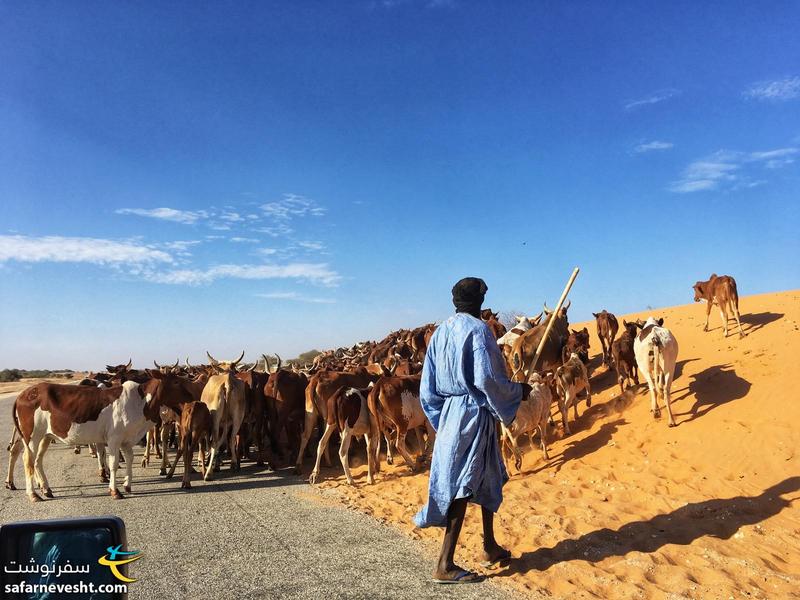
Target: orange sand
column 629, row 508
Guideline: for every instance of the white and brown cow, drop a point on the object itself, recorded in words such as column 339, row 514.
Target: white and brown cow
column 533, row 415
column 115, row 418
column 571, row 379
column 656, row 351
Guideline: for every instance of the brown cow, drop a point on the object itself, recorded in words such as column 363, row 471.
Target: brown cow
column 719, row 290
column 577, row 343
column 254, row 430
column 525, row 345
column 623, row 356
column 607, row 328
column 195, row 427
column 285, row 395
column 571, row 379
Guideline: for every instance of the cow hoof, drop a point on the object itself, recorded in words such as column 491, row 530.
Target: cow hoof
column 312, row 479
column 34, row 497
column 144, row 462
column 162, row 471
column 48, row 492
column 169, row 475
column 673, row 424
column 185, row 485
column 77, row 450
column 588, row 402
column 351, row 482
column 656, row 414
column 370, row 481
column 128, row 489
column 116, row 495
column 298, row 470
column 389, row 460
column 103, row 477
column 10, row 485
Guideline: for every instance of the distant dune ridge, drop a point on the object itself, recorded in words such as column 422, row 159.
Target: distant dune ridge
column 629, row 508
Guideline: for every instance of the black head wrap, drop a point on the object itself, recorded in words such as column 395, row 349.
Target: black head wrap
column 468, row 295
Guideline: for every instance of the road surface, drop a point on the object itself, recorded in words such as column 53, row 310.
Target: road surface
column 256, row 534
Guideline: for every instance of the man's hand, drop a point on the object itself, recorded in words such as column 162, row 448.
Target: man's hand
column 526, row 389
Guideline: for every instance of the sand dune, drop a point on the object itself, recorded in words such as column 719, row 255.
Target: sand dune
column 629, row 508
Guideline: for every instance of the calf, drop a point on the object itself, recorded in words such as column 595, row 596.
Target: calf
column 607, row 328
column 115, row 417
column 195, row 429
column 577, row 343
column 348, row 413
column 623, row 357
column 656, row 351
column 533, row 415
column 571, row 379
column 719, row 290
column 394, row 403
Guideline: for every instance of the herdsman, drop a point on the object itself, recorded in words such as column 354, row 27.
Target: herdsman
column 464, row 392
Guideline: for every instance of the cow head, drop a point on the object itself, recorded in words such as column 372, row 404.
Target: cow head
column 650, row 322
column 699, row 291
column 119, row 369
column 164, row 389
column 224, row 366
column 630, row 328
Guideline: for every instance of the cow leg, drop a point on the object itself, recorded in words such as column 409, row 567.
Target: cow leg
column 100, row 454
column 389, row 457
column 735, row 311
column 93, row 451
column 321, row 447
column 709, row 304
column 308, row 429
column 28, row 459
column 127, row 452
column 216, row 440
column 667, row 380
column 564, row 406
column 147, row 443
column 651, row 385
column 370, row 458
column 38, row 466
column 113, row 464
column 164, row 443
column 403, row 450
column 344, row 448
column 235, row 466
column 603, row 346
column 171, row 470
column 723, row 314
column 14, row 449
column 543, row 438
column 588, row 392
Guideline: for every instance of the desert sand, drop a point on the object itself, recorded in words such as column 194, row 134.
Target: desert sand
column 629, row 508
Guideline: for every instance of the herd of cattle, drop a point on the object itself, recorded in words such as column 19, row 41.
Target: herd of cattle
column 370, row 389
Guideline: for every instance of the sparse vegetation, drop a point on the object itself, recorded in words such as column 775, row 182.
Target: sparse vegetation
column 7, row 375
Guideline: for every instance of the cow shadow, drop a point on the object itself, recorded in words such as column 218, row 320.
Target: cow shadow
column 720, row 518
column 758, row 320
column 577, row 449
column 714, row 387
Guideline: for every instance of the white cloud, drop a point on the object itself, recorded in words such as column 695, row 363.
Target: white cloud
column 266, row 251
column 231, row 217
column 319, row 273
column 731, row 170
column 654, row 98
column 777, row 90
column 315, row 246
column 295, row 297
column 654, row 145
column 79, row 250
column 292, row 206
column 244, row 240
column 188, row 217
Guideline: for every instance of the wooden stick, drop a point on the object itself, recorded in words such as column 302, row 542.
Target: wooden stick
column 552, row 319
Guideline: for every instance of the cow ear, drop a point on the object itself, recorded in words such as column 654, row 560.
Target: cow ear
column 595, row 315
column 660, row 322
column 586, row 330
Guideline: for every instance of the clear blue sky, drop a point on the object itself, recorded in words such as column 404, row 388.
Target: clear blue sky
column 277, row 176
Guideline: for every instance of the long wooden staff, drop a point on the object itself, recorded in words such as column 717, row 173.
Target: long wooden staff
column 552, row 320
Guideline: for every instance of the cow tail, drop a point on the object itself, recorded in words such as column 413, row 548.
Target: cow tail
column 656, row 360
column 14, row 416
column 734, row 295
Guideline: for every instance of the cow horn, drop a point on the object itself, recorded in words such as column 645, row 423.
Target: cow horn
column 188, row 366
column 547, row 311
column 266, row 363
column 236, row 362
column 213, row 360
column 568, row 304
column 175, row 366
column 130, row 362
column 158, row 366
column 253, row 368
column 280, row 362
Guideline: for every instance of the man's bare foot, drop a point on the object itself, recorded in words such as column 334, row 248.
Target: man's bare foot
column 455, row 574
column 494, row 554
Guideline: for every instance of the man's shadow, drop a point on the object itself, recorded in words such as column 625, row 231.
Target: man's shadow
column 719, row 518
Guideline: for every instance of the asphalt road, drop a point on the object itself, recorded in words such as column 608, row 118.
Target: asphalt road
column 256, row 534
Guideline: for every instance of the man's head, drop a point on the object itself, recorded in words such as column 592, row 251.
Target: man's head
column 468, row 295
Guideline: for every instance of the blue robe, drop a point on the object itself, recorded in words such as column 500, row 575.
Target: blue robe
column 464, row 392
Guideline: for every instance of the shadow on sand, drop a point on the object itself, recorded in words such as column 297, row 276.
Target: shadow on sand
column 757, row 320
column 720, row 518
column 713, row 387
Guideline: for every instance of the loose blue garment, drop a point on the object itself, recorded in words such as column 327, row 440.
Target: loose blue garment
column 464, row 392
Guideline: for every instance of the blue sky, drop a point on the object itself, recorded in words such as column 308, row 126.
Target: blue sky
column 277, row 176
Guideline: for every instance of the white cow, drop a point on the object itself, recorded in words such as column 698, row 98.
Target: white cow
column 656, row 351
column 523, row 325
column 119, row 421
column 532, row 415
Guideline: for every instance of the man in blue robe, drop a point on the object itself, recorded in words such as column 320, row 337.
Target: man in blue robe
column 464, row 392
